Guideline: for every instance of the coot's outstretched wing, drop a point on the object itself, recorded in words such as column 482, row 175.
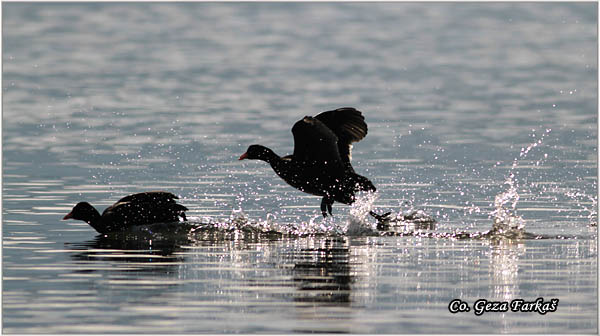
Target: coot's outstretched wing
column 316, row 144
column 348, row 124
column 144, row 208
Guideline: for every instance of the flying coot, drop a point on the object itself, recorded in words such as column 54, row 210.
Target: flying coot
column 138, row 209
column 320, row 164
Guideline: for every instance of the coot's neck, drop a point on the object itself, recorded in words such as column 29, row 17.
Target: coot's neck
column 270, row 157
column 281, row 165
column 94, row 219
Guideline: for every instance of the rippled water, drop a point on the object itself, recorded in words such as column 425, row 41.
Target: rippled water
column 481, row 116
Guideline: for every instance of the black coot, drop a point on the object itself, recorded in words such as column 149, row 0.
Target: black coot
column 320, row 164
column 138, row 209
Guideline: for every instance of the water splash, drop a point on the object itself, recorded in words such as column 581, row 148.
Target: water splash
column 240, row 226
column 506, row 220
column 581, row 198
column 358, row 219
column 407, row 221
column 237, row 226
column 526, row 150
column 316, row 226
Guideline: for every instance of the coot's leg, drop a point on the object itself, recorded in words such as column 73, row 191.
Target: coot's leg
column 326, row 206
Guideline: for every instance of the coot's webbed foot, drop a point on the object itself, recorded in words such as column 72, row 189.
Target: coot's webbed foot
column 383, row 221
column 326, row 204
column 380, row 217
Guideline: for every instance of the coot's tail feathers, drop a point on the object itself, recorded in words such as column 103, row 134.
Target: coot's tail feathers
column 360, row 183
column 177, row 209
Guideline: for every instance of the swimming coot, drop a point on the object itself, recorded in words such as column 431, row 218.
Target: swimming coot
column 320, row 164
column 138, row 209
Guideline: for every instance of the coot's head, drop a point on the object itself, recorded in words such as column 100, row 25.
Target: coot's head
column 82, row 211
column 257, row 152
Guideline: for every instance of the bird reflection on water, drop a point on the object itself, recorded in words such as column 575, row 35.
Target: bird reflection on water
column 325, row 270
column 321, row 274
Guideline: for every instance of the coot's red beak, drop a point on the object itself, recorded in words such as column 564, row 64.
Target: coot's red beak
column 68, row 216
column 244, row 156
